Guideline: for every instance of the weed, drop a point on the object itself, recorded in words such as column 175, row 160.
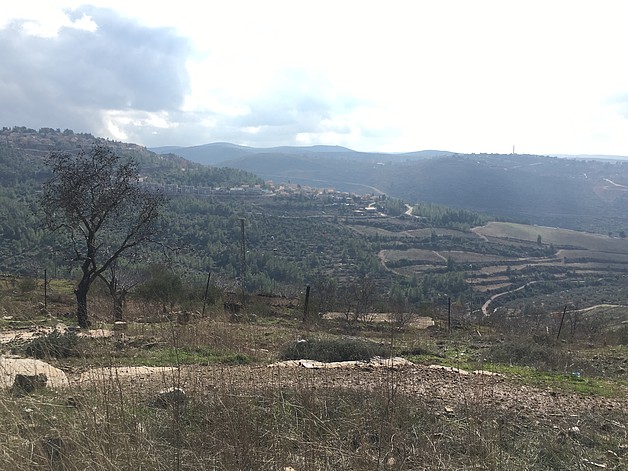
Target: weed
column 53, row 345
column 529, row 352
column 329, row 350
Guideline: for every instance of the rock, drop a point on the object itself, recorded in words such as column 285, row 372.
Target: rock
column 375, row 362
column 26, row 384
column 171, row 397
column 120, row 326
column 11, row 367
column 127, row 373
column 449, row 369
column 486, row 373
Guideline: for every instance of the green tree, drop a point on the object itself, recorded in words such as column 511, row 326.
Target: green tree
column 95, row 197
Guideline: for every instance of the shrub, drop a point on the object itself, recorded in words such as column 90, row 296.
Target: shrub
column 328, row 350
column 27, row 285
column 53, row 345
column 528, row 352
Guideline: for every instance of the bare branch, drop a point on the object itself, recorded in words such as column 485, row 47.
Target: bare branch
column 95, row 197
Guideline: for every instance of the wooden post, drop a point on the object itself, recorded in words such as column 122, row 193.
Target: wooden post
column 562, row 319
column 209, row 275
column 45, row 288
column 449, row 314
column 307, row 302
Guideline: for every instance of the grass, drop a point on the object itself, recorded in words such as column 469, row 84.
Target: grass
column 556, row 236
column 240, row 414
column 271, row 426
column 171, row 356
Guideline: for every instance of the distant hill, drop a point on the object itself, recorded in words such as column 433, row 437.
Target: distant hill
column 608, row 158
column 570, row 193
column 576, row 193
column 224, row 153
column 581, row 192
column 25, row 244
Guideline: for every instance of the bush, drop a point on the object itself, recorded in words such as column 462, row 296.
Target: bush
column 27, row 285
column 53, row 345
column 528, row 352
column 328, row 350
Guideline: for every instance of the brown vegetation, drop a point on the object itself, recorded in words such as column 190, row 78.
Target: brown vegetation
column 528, row 411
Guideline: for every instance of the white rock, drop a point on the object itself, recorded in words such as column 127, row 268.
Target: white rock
column 9, row 367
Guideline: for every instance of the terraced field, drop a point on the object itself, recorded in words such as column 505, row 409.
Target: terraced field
column 505, row 261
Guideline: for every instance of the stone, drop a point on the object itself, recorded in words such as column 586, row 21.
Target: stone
column 171, row 397
column 120, row 326
column 10, row 367
column 27, row 384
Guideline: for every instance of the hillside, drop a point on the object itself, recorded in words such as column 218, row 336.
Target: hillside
column 415, row 254
column 576, row 193
column 25, row 247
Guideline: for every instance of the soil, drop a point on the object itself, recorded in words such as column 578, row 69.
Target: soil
column 444, row 388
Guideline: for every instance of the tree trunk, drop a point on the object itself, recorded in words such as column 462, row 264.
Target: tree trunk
column 118, row 305
column 81, row 303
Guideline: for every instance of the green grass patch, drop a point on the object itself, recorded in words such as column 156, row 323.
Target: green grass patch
column 531, row 376
column 61, row 286
column 566, row 382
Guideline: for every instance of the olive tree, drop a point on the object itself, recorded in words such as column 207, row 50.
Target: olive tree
column 95, row 197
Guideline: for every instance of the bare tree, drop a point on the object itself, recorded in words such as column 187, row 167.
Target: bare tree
column 325, row 293
column 119, row 279
column 95, row 197
column 358, row 298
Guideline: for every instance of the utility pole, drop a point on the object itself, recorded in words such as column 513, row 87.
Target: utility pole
column 209, row 275
column 306, row 316
column 45, row 288
column 562, row 319
column 242, row 256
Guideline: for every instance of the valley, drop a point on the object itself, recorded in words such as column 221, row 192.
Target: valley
column 278, row 325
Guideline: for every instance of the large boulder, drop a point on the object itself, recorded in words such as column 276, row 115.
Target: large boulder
column 10, row 368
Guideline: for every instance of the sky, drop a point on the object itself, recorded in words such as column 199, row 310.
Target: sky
column 547, row 77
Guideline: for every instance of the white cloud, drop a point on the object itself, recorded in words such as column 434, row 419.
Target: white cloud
column 465, row 76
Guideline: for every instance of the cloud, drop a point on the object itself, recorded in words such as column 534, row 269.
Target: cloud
column 99, row 63
column 298, row 102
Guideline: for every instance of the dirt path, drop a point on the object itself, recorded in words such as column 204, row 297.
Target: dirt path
column 445, row 389
column 495, row 296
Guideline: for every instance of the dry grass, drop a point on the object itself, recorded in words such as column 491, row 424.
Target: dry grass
column 251, row 417
column 233, row 421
